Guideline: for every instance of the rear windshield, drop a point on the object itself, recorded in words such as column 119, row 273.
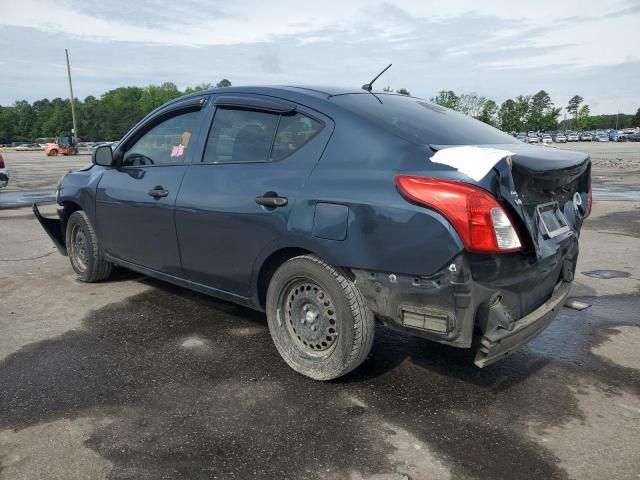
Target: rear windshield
column 422, row 122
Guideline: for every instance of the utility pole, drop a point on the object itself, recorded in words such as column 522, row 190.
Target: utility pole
column 73, row 109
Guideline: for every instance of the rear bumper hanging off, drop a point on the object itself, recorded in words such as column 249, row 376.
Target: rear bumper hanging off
column 54, row 228
column 493, row 304
column 498, row 343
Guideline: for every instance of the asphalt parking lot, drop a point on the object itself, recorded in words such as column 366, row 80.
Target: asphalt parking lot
column 136, row 379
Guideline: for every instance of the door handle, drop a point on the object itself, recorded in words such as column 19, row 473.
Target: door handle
column 158, row 192
column 271, row 200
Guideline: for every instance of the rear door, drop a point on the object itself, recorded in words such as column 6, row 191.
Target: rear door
column 135, row 201
column 237, row 198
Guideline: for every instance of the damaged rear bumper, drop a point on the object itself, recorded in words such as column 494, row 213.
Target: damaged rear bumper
column 498, row 343
column 54, row 228
column 494, row 304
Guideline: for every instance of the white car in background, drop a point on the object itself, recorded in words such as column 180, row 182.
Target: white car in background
column 533, row 138
column 601, row 137
column 560, row 138
column 586, row 137
column 547, row 139
column 573, row 137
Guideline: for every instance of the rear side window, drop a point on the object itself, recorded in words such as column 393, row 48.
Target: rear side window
column 240, row 136
column 293, row 132
column 165, row 144
column 422, row 122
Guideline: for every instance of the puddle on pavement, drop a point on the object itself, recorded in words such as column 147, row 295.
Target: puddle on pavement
column 611, row 192
column 25, row 199
column 606, row 274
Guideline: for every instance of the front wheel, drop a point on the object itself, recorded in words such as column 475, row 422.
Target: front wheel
column 86, row 257
column 318, row 318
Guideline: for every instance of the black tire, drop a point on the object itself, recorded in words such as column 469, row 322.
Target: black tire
column 86, row 258
column 53, row 153
column 344, row 325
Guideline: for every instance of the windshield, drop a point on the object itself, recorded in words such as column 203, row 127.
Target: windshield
column 422, row 122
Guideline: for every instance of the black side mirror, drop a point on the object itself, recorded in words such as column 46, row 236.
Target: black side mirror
column 103, row 155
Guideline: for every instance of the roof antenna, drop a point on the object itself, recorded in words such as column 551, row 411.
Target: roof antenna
column 369, row 86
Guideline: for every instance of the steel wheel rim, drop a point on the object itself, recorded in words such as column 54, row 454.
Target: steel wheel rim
column 79, row 247
column 309, row 315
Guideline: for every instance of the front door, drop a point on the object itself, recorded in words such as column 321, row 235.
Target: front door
column 135, row 201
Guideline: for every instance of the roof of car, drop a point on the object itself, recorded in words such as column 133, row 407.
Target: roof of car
column 310, row 90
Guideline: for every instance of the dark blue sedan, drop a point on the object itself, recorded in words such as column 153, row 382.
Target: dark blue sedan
column 329, row 208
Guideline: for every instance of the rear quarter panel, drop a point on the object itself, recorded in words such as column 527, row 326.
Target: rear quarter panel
column 384, row 232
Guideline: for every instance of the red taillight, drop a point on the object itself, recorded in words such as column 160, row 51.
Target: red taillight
column 481, row 222
column 1, row 162
column 590, row 203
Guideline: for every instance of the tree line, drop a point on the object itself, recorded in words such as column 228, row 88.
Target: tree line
column 106, row 118
column 533, row 112
column 116, row 111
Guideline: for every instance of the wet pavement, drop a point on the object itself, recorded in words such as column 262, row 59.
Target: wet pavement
column 24, row 199
column 177, row 385
column 137, row 379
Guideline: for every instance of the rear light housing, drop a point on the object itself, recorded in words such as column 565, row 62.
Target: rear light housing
column 1, row 162
column 590, row 203
column 481, row 222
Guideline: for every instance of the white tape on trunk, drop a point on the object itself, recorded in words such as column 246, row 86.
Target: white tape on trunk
column 474, row 162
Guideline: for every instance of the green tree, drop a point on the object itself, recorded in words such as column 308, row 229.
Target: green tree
column 223, row 83
column 7, row 124
column 636, row 119
column 522, row 111
column 583, row 118
column 198, row 88
column 574, row 105
column 403, row 91
column 470, row 104
column 446, row 99
column 508, row 117
column 489, row 113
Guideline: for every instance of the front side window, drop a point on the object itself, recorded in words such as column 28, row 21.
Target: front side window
column 239, row 136
column 165, row 144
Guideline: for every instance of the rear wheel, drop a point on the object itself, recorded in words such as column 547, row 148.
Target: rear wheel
column 318, row 318
column 53, row 152
column 86, row 258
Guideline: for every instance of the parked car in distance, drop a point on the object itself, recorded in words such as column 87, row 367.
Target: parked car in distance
column 522, row 137
column 26, row 147
column 560, row 138
column 572, row 137
column 329, row 207
column 616, row 136
column 547, row 139
column 601, row 137
column 633, row 137
column 586, row 137
column 4, row 173
column 533, row 138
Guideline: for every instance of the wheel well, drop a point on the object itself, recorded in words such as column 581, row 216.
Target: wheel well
column 67, row 209
column 269, row 267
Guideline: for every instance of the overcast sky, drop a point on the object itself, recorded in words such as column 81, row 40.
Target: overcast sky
column 496, row 48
